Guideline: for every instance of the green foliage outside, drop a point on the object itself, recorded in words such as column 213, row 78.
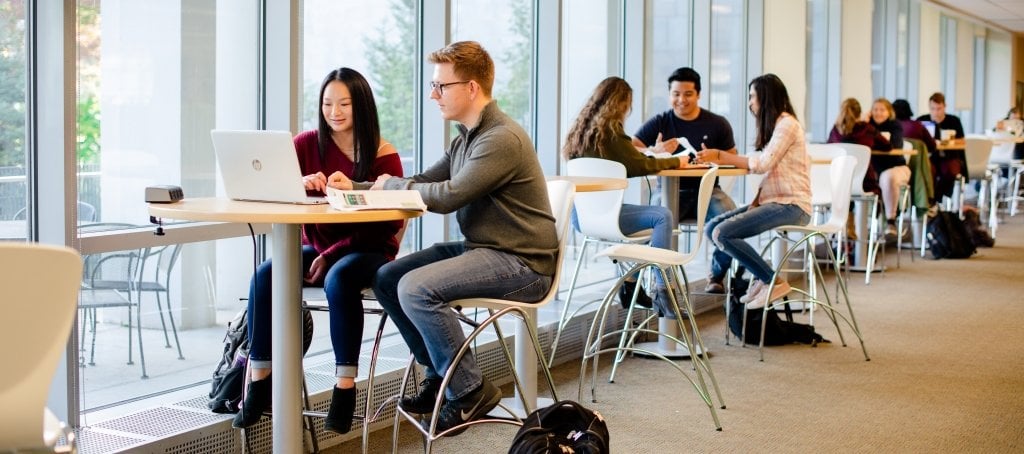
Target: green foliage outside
column 12, row 83
column 514, row 97
column 391, row 67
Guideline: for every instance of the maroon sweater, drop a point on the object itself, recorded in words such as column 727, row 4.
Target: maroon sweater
column 334, row 241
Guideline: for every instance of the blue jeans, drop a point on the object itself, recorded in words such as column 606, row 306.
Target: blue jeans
column 343, row 284
column 634, row 218
column 729, row 230
column 415, row 290
column 719, row 203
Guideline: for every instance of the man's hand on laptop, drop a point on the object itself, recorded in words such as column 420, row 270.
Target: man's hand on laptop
column 379, row 184
column 315, row 182
column 338, row 180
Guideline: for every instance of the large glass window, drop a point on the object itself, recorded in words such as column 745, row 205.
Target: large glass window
column 726, row 87
column 510, row 43
column 584, row 64
column 381, row 45
column 816, row 115
column 148, row 78
column 669, row 33
column 13, row 70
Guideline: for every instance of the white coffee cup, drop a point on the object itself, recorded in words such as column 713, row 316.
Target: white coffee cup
column 948, row 134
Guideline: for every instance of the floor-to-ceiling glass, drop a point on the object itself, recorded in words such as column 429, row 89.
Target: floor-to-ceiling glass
column 13, row 115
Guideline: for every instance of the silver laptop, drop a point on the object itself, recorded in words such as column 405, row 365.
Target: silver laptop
column 260, row 166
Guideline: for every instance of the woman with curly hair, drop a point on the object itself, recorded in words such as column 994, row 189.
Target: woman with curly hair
column 598, row 133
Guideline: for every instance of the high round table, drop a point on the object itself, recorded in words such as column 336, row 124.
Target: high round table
column 287, row 220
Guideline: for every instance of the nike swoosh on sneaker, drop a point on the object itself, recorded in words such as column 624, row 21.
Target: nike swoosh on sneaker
column 464, row 415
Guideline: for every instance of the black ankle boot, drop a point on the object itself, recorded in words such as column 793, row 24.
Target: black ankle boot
column 257, row 400
column 343, row 405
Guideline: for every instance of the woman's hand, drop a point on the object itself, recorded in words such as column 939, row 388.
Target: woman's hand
column 339, row 180
column 316, row 270
column 709, row 155
column 379, row 184
column 315, row 182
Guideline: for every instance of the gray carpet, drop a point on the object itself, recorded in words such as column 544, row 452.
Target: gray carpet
column 946, row 340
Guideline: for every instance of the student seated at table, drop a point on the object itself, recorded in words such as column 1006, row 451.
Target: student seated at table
column 948, row 164
column 784, row 196
column 598, row 133
column 491, row 178
column 343, row 258
column 893, row 171
column 702, row 129
column 1013, row 125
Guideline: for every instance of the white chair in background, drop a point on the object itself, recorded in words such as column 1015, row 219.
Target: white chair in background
column 597, row 213
column 866, row 209
column 977, row 150
column 841, row 173
column 40, row 285
column 674, row 339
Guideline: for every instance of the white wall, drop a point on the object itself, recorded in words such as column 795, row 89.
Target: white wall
column 855, row 63
column 785, row 47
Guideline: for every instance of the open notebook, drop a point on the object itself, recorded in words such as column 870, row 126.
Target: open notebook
column 375, row 200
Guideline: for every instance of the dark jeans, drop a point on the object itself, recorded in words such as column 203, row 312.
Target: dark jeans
column 343, row 284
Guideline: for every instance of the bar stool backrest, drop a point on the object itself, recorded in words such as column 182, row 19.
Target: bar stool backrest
column 597, row 212
column 977, row 150
column 863, row 156
column 841, row 173
column 40, row 285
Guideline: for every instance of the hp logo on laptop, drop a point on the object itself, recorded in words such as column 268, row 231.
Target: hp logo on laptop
column 257, row 165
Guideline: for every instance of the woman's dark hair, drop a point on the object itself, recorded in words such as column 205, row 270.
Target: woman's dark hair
column 1009, row 113
column 902, row 109
column 774, row 101
column 365, row 126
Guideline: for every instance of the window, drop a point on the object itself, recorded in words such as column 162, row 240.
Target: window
column 152, row 80
column 584, row 64
column 726, row 86
column 510, row 43
column 668, row 45
column 380, row 43
column 13, row 71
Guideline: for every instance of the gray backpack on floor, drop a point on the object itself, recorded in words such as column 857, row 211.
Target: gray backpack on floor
column 229, row 375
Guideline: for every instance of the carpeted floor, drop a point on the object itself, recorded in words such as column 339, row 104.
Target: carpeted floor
column 946, row 340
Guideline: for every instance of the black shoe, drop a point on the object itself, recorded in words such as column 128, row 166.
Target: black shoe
column 343, row 405
column 423, row 401
column 256, row 401
column 626, row 295
column 471, row 406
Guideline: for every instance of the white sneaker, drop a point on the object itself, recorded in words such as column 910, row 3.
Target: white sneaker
column 755, row 287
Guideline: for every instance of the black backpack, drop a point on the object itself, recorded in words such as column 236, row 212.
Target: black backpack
column 564, row 427
column 948, row 237
column 229, row 375
column 776, row 330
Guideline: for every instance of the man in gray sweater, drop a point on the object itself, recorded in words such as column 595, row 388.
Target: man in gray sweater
column 491, row 178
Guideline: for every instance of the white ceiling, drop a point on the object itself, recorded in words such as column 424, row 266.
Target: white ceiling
column 1008, row 14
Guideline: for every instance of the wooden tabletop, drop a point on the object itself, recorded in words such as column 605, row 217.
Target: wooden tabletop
column 895, row 152
column 955, row 144
column 699, row 171
column 220, row 209
column 591, row 184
